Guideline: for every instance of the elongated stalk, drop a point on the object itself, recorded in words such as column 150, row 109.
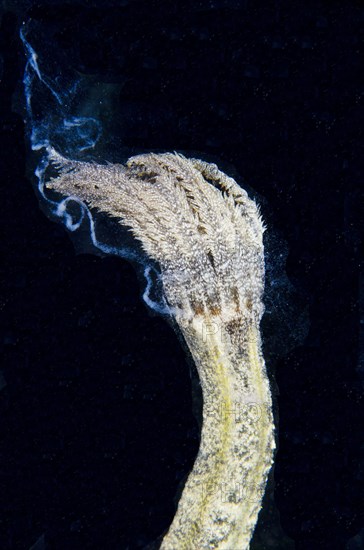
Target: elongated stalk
column 206, row 235
column 222, row 496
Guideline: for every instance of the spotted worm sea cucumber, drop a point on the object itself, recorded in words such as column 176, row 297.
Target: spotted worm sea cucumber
column 207, row 237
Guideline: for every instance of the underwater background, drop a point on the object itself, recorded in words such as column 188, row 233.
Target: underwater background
column 99, row 419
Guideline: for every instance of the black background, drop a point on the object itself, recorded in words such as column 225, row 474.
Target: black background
column 96, row 418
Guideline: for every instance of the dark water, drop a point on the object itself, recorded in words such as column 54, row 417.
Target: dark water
column 97, row 417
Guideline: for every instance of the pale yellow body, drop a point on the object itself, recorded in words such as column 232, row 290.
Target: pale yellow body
column 206, row 235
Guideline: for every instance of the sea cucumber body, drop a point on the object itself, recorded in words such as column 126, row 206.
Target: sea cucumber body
column 207, row 237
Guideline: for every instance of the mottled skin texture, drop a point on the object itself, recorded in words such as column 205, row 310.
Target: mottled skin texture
column 206, row 235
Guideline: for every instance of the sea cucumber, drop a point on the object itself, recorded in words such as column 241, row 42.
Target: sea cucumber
column 206, row 235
